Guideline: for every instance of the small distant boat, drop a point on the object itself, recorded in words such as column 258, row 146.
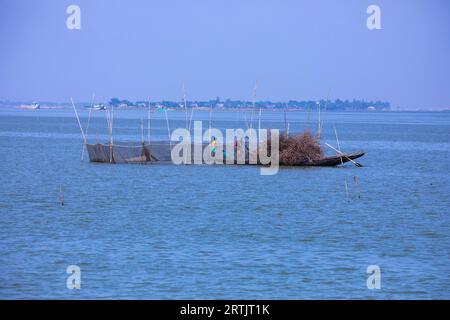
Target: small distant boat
column 99, row 107
column 32, row 106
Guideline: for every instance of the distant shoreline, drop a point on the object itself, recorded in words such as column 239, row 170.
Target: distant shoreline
column 217, row 104
column 25, row 107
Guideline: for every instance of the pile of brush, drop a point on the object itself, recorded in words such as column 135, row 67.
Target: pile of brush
column 298, row 148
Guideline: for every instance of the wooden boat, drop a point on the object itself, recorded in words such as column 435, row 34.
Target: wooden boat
column 161, row 153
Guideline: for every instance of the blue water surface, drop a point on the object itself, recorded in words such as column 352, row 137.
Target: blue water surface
column 220, row 232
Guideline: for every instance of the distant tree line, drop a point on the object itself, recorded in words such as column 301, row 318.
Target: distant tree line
column 331, row 105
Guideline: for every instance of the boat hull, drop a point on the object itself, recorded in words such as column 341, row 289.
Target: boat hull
column 333, row 160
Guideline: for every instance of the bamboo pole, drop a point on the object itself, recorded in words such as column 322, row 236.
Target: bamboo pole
column 190, row 119
column 81, row 129
column 168, row 128
column 337, row 141
column 355, row 179
column 246, row 120
column 189, row 130
column 142, row 131
column 148, row 121
column 89, row 116
column 61, row 195
column 344, row 155
column 285, row 123
column 210, row 120
column 78, row 119
column 259, row 121
column 108, row 122
column 318, row 128
column 107, row 119
column 87, row 127
column 185, row 105
column 346, row 190
column 325, row 109
column 308, row 111
column 111, row 121
column 253, row 103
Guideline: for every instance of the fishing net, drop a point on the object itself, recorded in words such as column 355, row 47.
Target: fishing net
column 158, row 151
column 128, row 153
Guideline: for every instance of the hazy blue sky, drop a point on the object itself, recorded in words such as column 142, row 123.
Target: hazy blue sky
column 296, row 49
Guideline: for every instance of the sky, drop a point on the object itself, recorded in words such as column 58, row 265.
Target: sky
column 295, row 49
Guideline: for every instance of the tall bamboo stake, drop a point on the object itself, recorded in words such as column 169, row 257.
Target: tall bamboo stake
column 148, row 121
column 337, row 141
column 89, row 116
column 78, row 119
column 285, row 124
column 253, row 103
column 210, row 120
column 111, row 121
column 107, row 119
column 81, row 128
column 325, row 109
column 190, row 119
column 308, row 111
column 318, row 127
column 185, row 105
column 259, row 121
column 346, row 190
column 142, row 131
column 246, row 121
column 355, row 179
column 168, row 128
column 61, row 195
column 87, row 127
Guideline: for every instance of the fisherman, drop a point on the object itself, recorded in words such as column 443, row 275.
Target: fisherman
column 214, row 144
column 237, row 146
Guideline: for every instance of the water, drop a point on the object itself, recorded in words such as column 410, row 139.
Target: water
column 203, row 232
